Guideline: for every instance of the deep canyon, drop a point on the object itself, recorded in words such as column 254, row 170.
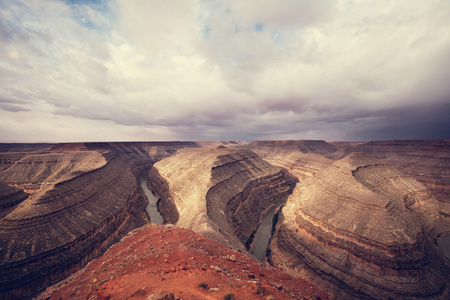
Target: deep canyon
column 359, row 220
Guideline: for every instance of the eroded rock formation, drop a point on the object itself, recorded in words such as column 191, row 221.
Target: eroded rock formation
column 359, row 229
column 427, row 161
column 219, row 192
column 65, row 205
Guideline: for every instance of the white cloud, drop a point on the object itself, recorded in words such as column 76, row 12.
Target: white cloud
column 219, row 69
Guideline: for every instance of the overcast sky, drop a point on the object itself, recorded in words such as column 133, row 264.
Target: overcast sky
column 128, row 70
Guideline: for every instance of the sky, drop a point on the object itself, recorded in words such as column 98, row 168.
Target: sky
column 146, row 70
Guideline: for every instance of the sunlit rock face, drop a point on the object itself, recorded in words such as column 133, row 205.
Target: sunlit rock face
column 359, row 229
column 297, row 163
column 220, row 192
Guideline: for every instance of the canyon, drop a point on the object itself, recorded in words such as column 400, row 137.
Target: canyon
column 360, row 220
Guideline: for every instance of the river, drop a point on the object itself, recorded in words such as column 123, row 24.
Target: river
column 152, row 209
column 444, row 245
column 264, row 233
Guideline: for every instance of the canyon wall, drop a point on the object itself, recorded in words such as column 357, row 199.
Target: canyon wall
column 50, row 236
column 427, row 161
column 220, row 192
column 62, row 206
column 359, row 229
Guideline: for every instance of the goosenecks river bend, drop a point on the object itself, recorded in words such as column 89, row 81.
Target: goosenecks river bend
column 262, row 236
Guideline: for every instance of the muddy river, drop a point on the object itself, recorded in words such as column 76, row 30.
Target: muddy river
column 152, row 209
column 264, row 232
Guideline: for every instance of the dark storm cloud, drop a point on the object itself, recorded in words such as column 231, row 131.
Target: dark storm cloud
column 421, row 122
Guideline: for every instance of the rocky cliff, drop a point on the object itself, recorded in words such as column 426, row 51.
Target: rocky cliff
column 427, row 161
column 62, row 206
column 52, row 235
column 359, row 228
column 220, row 192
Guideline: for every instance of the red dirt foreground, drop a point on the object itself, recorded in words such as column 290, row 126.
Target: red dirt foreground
column 165, row 262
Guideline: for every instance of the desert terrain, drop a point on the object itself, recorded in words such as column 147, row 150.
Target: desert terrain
column 357, row 220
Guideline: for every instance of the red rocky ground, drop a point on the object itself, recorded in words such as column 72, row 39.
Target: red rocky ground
column 154, row 258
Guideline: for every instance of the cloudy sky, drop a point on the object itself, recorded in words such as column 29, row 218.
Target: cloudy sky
column 125, row 70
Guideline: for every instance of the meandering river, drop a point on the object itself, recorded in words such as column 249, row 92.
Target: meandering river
column 264, row 233
column 152, row 209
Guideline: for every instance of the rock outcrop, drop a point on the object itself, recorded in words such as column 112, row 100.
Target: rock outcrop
column 50, row 236
column 165, row 261
column 219, row 192
column 65, row 205
column 359, row 229
column 297, row 163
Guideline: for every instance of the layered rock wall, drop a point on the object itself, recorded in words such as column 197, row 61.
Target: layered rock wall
column 243, row 188
column 300, row 165
column 221, row 192
column 427, row 161
column 53, row 235
column 9, row 197
column 358, row 229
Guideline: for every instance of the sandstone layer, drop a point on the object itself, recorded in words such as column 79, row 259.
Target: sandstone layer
column 64, row 205
column 359, row 229
column 427, row 161
column 221, row 193
column 297, row 163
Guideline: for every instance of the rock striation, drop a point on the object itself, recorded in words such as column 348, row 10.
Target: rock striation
column 50, row 236
column 9, row 197
column 63, row 206
column 221, row 193
column 297, row 163
column 427, row 161
column 359, row 229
